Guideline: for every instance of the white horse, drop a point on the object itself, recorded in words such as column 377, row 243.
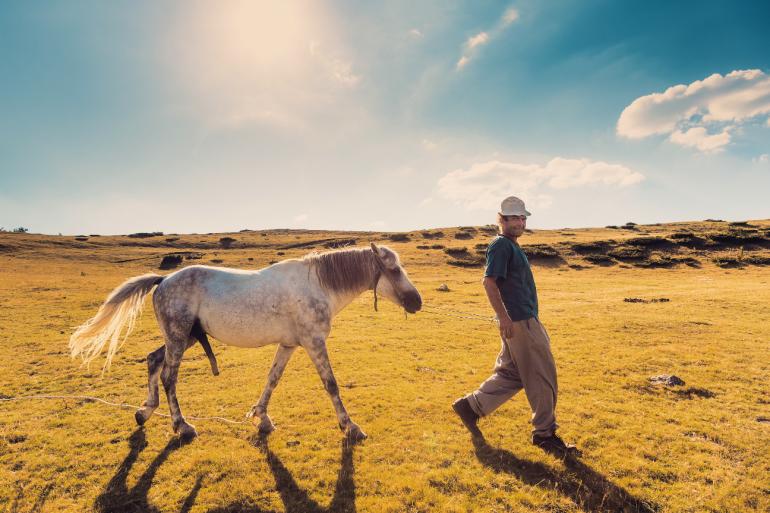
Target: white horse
column 291, row 304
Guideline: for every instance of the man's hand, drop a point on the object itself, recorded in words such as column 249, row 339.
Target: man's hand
column 506, row 327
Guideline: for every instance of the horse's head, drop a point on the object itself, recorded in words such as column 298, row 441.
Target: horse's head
column 393, row 282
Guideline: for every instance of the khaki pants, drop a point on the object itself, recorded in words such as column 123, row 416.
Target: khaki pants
column 525, row 361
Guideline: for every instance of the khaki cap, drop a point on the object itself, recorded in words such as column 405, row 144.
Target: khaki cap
column 513, row 206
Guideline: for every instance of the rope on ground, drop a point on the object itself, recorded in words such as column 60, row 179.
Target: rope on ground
column 110, row 403
column 450, row 312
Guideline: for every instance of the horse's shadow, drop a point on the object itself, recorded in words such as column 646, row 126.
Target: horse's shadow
column 584, row 486
column 295, row 499
column 118, row 498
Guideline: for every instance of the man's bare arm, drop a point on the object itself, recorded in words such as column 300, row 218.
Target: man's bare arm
column 493, row 294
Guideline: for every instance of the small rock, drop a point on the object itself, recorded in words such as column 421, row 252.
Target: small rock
column 443, row 288
column 292, row 443
column 668, row 380
column 763, row 419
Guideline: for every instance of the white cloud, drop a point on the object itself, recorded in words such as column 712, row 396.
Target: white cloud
column 698, row 137
column 510, row 16
column 474, row 43
column 477, row 40
column 701, row 114
column 464, row 60
column 416, row 33
column 485, row 183
column 762, row 159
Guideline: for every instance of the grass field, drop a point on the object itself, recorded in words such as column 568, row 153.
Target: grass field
column 700, row 447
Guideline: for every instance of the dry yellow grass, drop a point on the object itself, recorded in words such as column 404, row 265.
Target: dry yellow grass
column 701, row 447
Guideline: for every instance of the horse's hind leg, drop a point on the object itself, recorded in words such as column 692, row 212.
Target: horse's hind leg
column 316, row 349
column 282, row 356
column 154, row 366
column 175, row 349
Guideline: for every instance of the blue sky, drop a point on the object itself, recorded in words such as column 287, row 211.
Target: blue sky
column 204, row 116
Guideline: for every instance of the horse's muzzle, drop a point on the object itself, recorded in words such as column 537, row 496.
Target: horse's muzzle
column 412, row 302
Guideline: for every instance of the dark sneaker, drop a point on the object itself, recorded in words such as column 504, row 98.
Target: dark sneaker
column 555, row 445
column 463, row 410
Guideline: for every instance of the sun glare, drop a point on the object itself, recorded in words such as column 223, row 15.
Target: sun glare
column 255, row 59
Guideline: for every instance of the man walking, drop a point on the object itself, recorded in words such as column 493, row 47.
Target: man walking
column 525, row 360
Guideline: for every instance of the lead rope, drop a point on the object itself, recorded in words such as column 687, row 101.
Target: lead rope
column 376, row 281
column 119, row 405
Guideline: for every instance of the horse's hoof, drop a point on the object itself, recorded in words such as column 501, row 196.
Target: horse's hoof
column 142, row 415
column 185, row 431
column 354, row 434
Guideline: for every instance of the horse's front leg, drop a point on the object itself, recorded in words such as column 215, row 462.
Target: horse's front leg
column 282, row 356
column 316, row 348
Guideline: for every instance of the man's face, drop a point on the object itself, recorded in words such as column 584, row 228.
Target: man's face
column 514, row 225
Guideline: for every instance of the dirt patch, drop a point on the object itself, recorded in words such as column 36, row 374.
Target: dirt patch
column 341, row 243
column 736, row 239
column 726, row 262
column 170, row 262
column 467, row 263
column 688, row 240
column 144, row 235
column 227, row 242
column 590, row 248
column 457, row 252
column 650, row 243
column 490, row 229
column 756, row 260
column 656, row 261
column 692, row 392
column 628, row 254
column 310, row 243
column 540, row 252
column 602, row 260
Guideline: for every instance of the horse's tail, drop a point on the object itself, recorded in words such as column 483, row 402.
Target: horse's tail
column 122, row 307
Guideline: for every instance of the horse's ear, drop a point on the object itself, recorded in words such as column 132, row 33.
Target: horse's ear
column 375, row 248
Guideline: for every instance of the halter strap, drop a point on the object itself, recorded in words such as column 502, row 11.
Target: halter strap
column 382, row 270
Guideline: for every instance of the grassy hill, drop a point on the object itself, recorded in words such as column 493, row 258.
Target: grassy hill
column 621, row 304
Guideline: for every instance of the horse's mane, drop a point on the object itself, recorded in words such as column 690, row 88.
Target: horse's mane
column 344, row 270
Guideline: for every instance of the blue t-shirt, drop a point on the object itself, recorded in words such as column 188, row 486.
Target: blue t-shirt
column 509, row 265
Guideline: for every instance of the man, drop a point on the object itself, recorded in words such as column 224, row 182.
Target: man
column 525, row 360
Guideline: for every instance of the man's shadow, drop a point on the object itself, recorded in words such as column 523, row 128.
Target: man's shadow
column 295, row 499
column 584, row 486
column 118, row 498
